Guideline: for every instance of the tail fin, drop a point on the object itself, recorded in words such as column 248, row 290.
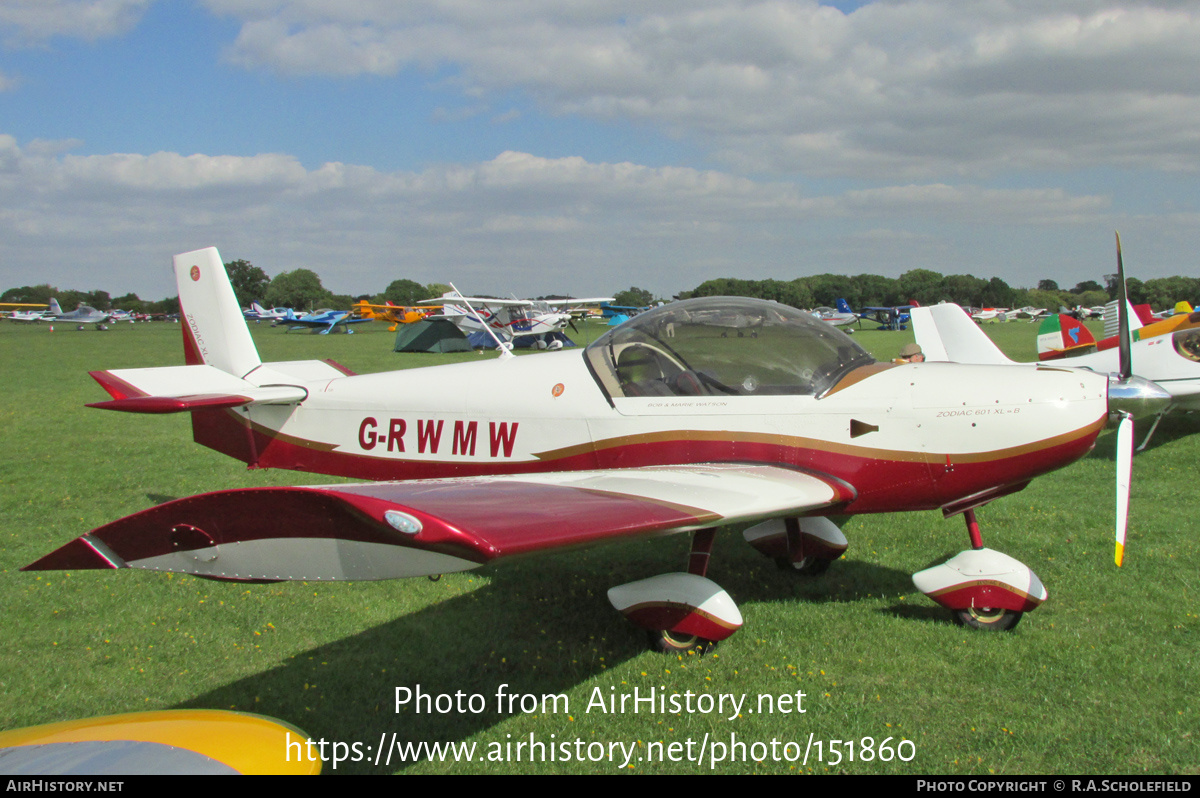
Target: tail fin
column 55, row 308
column 1062, row 335
column 214, row 330
column 843, row 306
column 946, row 332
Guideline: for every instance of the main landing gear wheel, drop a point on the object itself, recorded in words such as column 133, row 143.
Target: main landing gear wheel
column 668, row 642
column 988, row 618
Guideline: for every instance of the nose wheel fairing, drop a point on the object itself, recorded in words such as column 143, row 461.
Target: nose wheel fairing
column 981, row 585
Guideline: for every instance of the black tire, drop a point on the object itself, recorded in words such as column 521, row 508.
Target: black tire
column 668, row 642
column 990, row 618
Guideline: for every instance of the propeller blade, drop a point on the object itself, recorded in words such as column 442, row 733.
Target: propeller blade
column 1124, row 473
column 1123, row 338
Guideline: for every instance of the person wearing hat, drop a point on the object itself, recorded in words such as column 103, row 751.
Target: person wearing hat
column 910, row 353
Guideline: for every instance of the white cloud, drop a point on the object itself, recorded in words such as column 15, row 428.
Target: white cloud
column 517, row 222
column 917, row 89
column 29, row 21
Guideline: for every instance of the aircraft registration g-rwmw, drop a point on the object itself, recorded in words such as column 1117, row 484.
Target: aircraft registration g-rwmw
column 665, row 424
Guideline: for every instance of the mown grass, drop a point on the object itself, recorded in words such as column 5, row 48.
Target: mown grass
column 1100, row 679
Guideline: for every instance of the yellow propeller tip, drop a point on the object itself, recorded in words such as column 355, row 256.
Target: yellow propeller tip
column 1120, row 556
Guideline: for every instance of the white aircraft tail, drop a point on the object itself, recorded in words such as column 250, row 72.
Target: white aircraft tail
column 215, row 332
column 223, row 367
column 946, row 332
column 55, row 308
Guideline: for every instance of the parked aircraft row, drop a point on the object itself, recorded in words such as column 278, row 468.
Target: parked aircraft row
column 503, row 320
column 81, row 316
column 887, row 318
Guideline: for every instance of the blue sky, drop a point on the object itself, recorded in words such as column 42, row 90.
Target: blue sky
column 538, row 147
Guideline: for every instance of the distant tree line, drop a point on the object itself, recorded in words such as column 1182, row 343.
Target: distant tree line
column 302, row 289
column 928, row 288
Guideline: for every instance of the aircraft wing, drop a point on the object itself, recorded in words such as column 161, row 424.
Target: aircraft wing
column 570, row 302
column 389, row 530
column 476, row 301
column 170, row 742
column 313, row 323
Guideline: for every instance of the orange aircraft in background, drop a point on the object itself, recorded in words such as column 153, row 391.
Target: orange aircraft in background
column 396, row 314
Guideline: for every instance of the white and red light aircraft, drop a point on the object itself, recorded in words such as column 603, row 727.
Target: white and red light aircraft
column 508, row 319
column 662, row 425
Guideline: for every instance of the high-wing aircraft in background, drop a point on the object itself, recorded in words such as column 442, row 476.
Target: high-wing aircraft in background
column 660, row 426
column 81, row 316
column 14, row 312
column 990, row 314
column 888, row 318
column 1030, row 313
column 509, row 319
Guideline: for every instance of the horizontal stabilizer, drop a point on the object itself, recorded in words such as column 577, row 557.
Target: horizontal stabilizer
column 172, row 404
column 389, row 530
column 175, row 389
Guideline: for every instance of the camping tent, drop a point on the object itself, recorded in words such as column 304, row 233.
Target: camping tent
column 438, row 335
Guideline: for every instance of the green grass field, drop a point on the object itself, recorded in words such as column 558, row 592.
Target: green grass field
column 1102, row 679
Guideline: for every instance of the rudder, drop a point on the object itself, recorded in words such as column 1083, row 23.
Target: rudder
column 214, row 330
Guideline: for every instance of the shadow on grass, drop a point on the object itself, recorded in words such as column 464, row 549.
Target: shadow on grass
column 928, row 613
column 1173, row 427
column 540, row 627
column 543, row 627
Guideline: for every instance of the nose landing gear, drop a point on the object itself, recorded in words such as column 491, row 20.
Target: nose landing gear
column 985, row 589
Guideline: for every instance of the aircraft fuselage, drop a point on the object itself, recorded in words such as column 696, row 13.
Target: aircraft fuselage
column 917, row 436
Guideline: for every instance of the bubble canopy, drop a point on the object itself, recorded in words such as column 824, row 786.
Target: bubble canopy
column 723, row 346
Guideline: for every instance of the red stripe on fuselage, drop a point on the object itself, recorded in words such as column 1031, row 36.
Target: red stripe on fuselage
column 883, row 483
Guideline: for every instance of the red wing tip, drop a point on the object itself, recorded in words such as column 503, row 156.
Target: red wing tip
column 75, row 556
